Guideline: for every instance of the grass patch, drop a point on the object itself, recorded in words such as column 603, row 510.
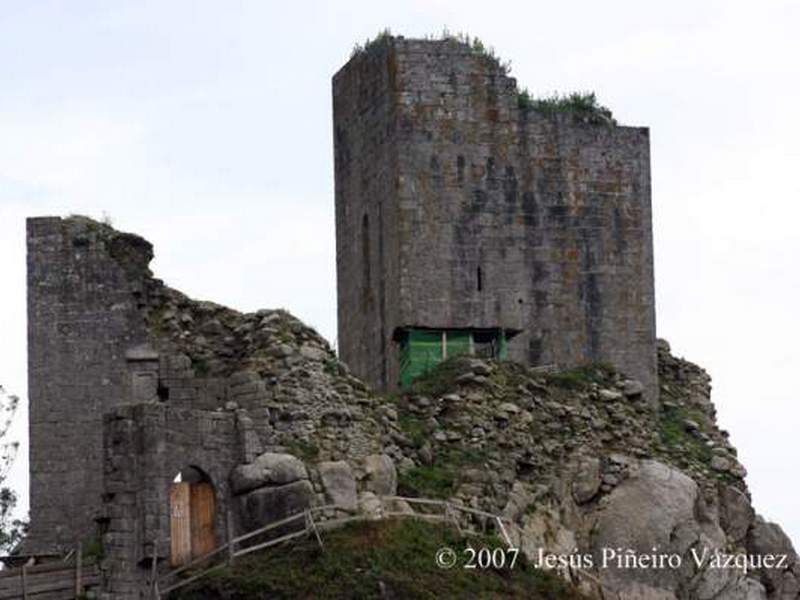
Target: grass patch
column 433, row 481
column 440, row 379
column 441, row 479
column 303, row 449
column 582, row 377
column 331, row 366
column 371, row 43
column 390, row 559
column 474, row 43
column 581, row 104
column 508, row 374
column 414, row 428
column 674, row 435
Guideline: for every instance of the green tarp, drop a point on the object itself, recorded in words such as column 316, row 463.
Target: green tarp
column 422, row 349
column 458, row 342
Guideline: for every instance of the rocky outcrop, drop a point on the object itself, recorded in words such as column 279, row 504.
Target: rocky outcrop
column 339, row 484
column 655, row 507
column 768, row 539
column 271, row 488
column 578, row 461
column 273, row 503
column 380, row 475
column 582, row 465
column 267, row 469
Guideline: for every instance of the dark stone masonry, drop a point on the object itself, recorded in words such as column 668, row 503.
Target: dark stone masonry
column 133, row 384
column 457, row 209
column 82, row 317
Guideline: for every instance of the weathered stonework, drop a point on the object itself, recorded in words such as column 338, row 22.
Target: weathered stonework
column 146, row 446
column 83, row 291
column 456, row 209
column 132, row 383
column 261, row 421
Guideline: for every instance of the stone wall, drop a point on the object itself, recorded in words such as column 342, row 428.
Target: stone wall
column 553, row 211
column 83, row 292
column 367, row 251
column 146, row 446
column 182, row 383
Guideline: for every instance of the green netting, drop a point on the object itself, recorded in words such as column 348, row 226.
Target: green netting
column 502, row 345
column 422, row 351
column 458, row 342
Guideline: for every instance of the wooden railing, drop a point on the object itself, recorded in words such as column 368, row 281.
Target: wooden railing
column 57, row 577
column 171, row 581
column 388, row 509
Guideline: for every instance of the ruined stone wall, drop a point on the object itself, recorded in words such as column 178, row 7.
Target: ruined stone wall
column 181, row 382
column 554, row 212
column 146, row 446
column 83, row 290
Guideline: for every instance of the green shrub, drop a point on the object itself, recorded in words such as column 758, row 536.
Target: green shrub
column 581, row 377
column 581, row 104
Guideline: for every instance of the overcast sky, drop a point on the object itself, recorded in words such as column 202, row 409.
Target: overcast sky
column 206, row 127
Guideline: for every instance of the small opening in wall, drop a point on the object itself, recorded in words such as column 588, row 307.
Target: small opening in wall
column 163, row 392
column 480, row 279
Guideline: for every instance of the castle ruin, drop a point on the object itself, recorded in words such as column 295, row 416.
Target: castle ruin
column 464, row 224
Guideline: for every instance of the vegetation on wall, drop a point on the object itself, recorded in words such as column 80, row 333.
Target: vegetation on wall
column 382, row 36
column 474, row 43
column 12, row 530
column 581, row 104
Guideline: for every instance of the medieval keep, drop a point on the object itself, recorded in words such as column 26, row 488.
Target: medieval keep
column 465, row 223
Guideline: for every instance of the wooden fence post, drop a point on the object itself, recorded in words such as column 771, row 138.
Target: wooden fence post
column 451, row 515
column 313, row 526
column 78, row 570
column 154, row 572
column 231, row 539
column 506, row 537
column 24, row 574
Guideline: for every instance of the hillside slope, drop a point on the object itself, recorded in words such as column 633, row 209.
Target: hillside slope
column 386, row 560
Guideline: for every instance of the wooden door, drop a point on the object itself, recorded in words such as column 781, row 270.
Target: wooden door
column 202, row 518
column 180, row 523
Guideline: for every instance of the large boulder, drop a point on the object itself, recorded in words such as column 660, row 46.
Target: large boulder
column 339, row 484
column 736, row 513
column 380, row 475
column 586, row 483
column 269, row 504
column 765, row 539
column 269, row 469
column 656, row 507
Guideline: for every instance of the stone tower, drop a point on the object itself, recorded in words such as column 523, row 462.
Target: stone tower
column 466, row 223
column 84, row 319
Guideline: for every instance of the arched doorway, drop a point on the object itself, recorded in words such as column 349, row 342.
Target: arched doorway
column 192, row 509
